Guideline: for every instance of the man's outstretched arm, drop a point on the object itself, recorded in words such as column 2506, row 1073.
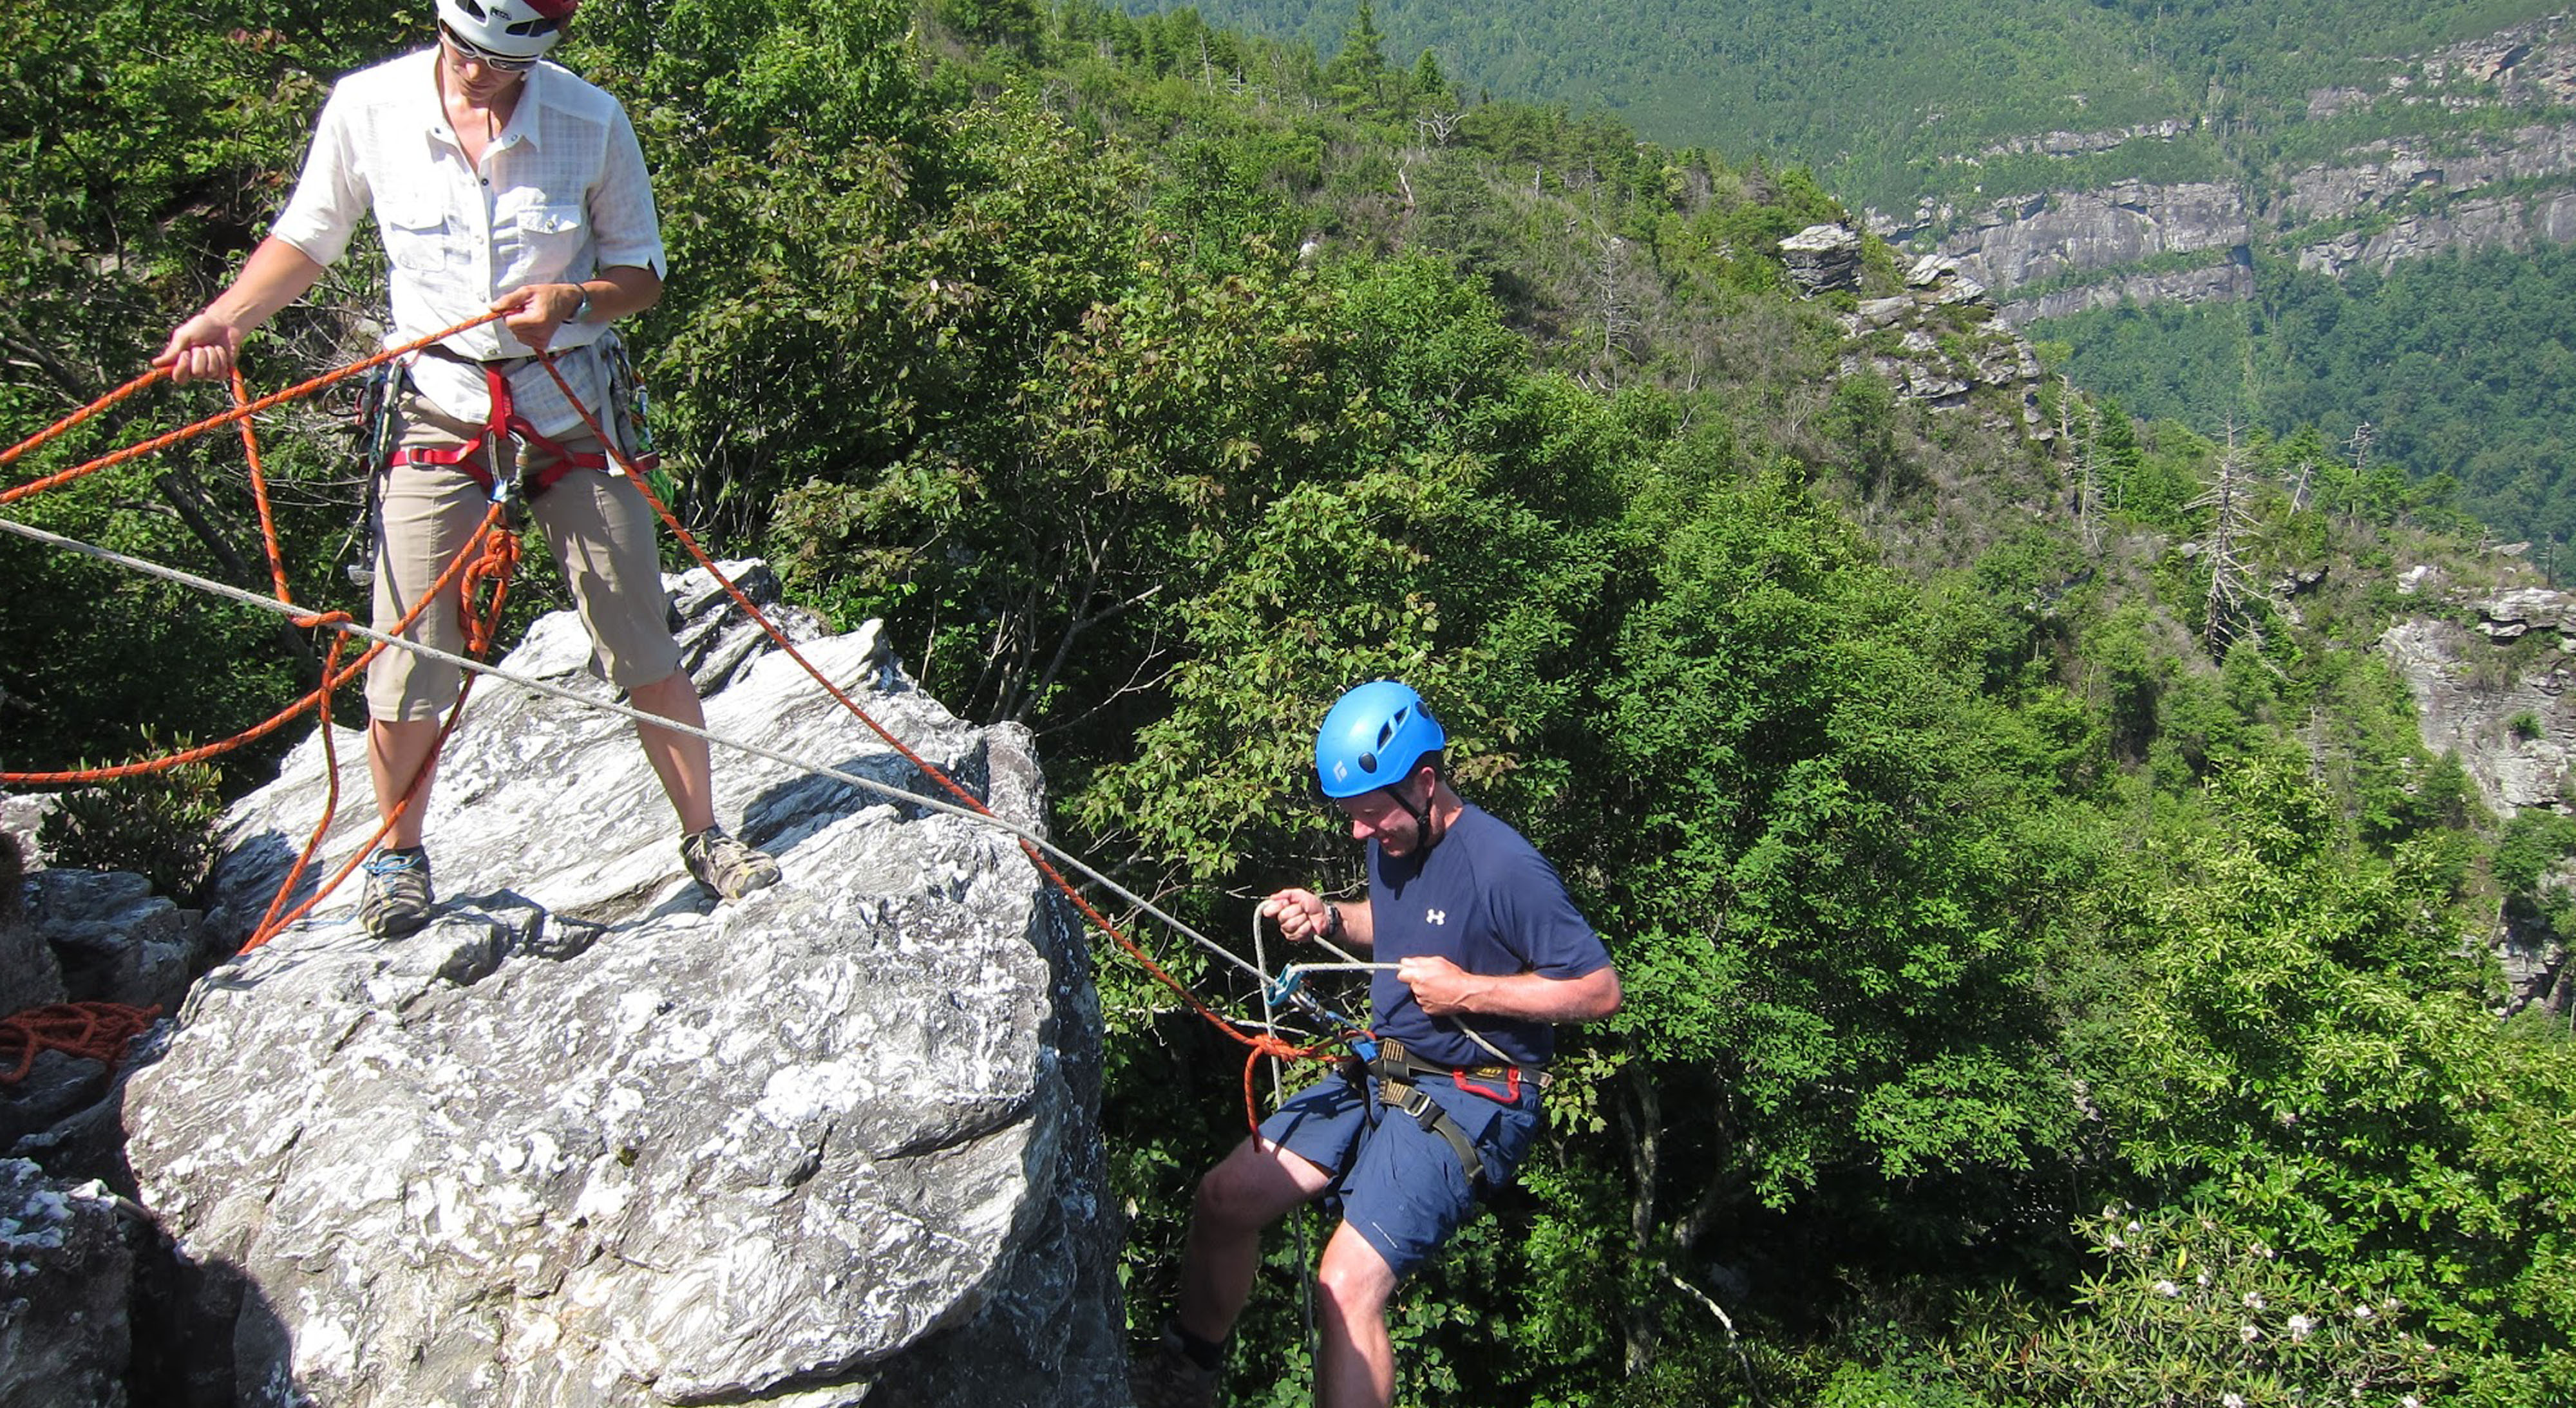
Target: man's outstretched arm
column 207, row 345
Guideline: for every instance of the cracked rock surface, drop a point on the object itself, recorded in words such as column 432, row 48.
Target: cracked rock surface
column 593, row 1138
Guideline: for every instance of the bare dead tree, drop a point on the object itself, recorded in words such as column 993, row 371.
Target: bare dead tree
column 2081, row 456
column 2089, row 477
column 1618, row 314
column 2230, row 499
column 2299, row 485
column 2363, row 436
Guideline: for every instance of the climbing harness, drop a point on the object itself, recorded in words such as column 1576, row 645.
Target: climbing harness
column 1500, row 1082
column 497, row 459
column 1398, row 1072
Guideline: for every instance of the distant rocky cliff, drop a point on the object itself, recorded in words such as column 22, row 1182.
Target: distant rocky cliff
column 2490, row 671
column 2373, row 205
column 2044, row 237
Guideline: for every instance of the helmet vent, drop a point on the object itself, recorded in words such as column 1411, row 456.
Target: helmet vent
column 1372, row 737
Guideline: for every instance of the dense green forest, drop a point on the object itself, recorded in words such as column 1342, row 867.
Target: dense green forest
column 2045, row 986
column 1876, row 95
column 2461, row 367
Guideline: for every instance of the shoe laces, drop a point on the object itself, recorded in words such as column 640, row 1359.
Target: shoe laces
column 384, row 863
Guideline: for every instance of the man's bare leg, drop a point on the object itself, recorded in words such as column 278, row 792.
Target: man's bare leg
column 1246, row 1192
column 397, row 750
column 679, row 759
column 1356, row 1368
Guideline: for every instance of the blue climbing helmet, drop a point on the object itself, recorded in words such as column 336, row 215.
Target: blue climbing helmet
column 1373, row 737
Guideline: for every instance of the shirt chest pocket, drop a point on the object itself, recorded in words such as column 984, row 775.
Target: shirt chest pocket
column 417, row 235
column 540, row 243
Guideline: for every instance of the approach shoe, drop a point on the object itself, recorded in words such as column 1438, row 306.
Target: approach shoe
column 1166, row 1377
column 398, row 897
column 725, row 867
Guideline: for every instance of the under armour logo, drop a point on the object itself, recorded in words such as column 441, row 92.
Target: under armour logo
column 1435, row 916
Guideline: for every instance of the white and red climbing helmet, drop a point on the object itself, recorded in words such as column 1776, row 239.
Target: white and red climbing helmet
column 1372, row 738
column 508, row 29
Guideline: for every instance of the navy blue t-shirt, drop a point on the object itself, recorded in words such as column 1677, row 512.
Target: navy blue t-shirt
column 1486, row 900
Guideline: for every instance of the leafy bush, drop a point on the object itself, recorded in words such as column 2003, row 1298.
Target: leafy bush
column 2188, row 1309
column 160, row 826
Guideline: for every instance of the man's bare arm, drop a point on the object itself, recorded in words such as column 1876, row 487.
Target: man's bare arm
column 532, row 314
column 207, row 345
column 1446, row 990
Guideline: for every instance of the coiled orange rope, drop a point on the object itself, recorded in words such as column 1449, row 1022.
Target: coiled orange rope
column 96, row 1031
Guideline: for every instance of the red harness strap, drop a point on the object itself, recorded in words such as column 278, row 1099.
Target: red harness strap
column 505, row 421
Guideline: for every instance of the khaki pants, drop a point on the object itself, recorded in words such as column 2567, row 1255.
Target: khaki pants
column 598, row 525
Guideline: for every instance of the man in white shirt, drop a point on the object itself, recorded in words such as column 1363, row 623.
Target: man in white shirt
column 499, row 183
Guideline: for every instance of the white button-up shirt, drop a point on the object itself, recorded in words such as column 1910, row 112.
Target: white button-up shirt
column 561, row 194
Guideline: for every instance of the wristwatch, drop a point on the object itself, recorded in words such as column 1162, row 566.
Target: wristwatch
column 1332, row 920
column 580, row 308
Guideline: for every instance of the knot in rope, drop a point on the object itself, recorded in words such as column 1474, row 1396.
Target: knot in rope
column 493, row 566
column 96, row 1031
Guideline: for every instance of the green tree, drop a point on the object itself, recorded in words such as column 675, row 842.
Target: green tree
column 1832, row 954
column 1357, row 75
column 2305, row 1055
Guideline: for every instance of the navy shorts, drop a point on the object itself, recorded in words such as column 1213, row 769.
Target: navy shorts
column 1401, row 1186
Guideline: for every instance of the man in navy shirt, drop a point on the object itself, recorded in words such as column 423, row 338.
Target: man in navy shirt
column 1489, row 954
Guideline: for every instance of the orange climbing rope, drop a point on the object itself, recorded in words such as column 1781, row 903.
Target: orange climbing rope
column 1259, row 1044
column 243, row 409
column 97, row 1031
column 489, row 560
column 244, row 412
column 10, row 456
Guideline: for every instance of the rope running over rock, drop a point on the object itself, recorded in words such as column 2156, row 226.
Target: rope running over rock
column 495, row 561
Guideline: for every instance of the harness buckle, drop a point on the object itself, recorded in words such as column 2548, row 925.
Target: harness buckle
column 1413, row 1100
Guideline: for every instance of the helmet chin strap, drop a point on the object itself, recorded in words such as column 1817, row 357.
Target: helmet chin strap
column 1421, row 815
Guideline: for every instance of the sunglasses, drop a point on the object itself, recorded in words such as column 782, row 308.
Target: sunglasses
column 466, row 50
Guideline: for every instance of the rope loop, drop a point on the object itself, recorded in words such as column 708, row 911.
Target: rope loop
column 493, row 566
